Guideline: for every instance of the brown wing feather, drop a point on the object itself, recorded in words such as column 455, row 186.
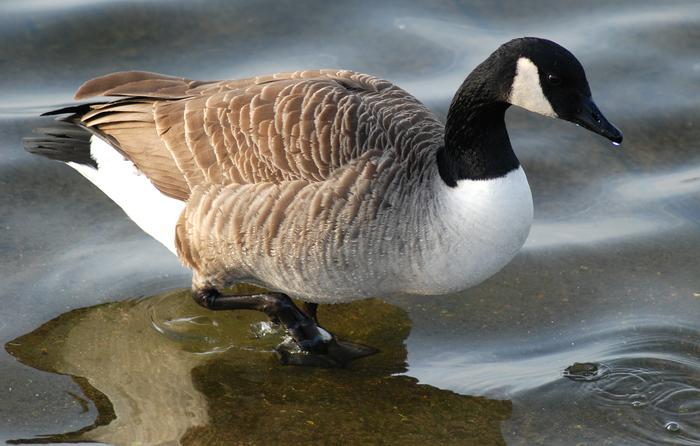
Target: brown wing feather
column 284, row 127
column 137, row 83
column 129, row 127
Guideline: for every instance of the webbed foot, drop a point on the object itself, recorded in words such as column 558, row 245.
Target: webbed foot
column 309, row 344
column 332, row 354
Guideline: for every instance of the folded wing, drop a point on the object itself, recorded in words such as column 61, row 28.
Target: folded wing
column 285, row 127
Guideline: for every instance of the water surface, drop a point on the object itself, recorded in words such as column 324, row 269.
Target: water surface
column 98, row 348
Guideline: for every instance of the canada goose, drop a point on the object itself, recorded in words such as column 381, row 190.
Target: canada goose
column 323, row 185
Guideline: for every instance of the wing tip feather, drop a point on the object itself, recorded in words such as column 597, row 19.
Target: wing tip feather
column 103, row 85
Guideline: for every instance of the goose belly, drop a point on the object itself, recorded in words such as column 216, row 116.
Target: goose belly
column 455, row 240
column 118, row 178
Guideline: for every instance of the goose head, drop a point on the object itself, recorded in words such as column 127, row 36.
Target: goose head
column 547, row 79
column 532, row 73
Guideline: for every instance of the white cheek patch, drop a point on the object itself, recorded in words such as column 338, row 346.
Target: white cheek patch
column 526, row 91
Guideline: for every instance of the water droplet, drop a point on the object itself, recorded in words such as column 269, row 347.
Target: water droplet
column 672, row 426
column 263, row 328
column 616, row 144
column 638, row 404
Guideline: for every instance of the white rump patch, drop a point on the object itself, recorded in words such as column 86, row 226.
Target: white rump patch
column 526, row 91
column 150, row 209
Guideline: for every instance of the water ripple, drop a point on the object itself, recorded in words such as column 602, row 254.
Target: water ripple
column 647, row 370
column 208, row 333
column 545, row 356
column 658, row 397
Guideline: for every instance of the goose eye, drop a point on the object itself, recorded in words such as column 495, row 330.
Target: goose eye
column 554, row 79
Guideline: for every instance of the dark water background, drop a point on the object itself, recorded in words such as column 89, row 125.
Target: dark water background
column 609, row 275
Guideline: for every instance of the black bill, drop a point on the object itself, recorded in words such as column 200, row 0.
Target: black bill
column 591, row 118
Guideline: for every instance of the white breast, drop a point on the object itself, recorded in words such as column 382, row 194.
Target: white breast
column 117, row 177
column 479, row 228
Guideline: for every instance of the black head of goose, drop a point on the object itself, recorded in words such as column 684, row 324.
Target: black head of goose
column 535, row 74
column 323, row 185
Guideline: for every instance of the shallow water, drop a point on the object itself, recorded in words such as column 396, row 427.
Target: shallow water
column 609, row 275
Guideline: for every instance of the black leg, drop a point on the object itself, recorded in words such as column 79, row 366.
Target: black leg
column 311, row 309
column 319, row 347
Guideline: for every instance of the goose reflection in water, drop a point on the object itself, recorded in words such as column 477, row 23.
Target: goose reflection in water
column 162, row 370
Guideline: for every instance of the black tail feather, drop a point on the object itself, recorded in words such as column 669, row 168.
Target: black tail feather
column 62, row 141
column 73, row 110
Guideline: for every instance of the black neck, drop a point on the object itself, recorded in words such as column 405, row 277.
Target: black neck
column 477, row 146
